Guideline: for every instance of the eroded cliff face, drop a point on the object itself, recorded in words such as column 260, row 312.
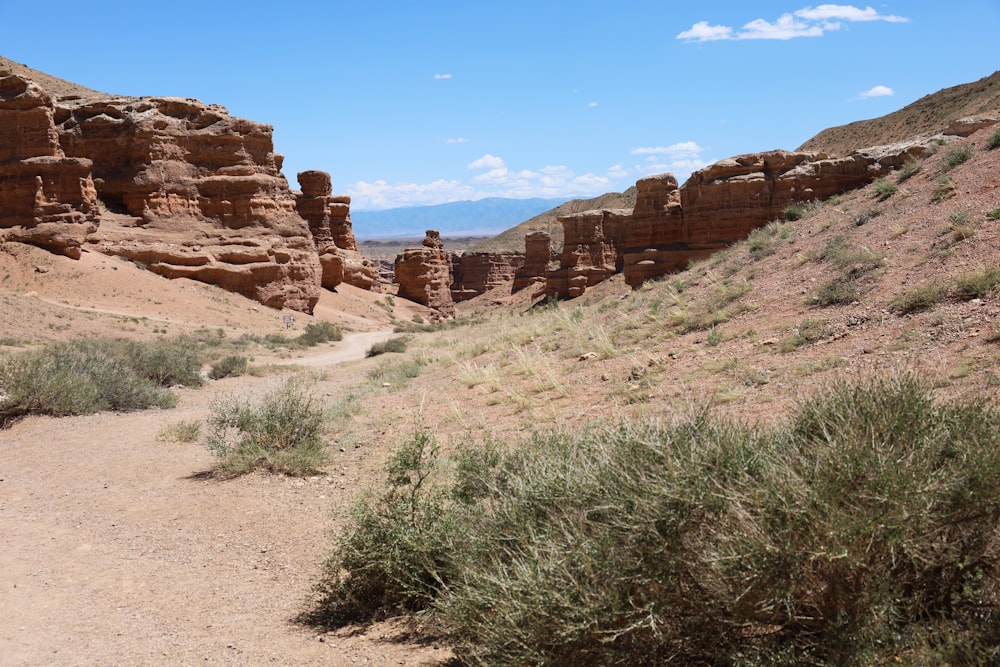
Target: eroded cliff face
column 329, row 218
column 717, row 206
column 184, row 188
column 424, row 275
column 46, row 198
column 475, row 273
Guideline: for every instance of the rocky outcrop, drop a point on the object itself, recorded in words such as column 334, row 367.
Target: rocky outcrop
column 475, row 273
column 717, row 206
column 424, row 275
column 186, row 189
column 329, row 218
column 537, row 261
column 46, row 198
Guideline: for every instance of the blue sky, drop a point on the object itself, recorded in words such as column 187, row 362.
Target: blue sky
column 412, row 103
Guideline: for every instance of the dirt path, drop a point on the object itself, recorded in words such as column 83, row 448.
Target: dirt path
column 117, row 552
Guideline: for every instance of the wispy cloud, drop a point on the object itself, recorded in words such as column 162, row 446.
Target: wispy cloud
column 442, row 76
column 680, row 159
column 806, row 22
column 456, row 140
column 593, row 104
column 877, row 91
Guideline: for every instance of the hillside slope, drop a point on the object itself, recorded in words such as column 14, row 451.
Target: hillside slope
column 931, row 113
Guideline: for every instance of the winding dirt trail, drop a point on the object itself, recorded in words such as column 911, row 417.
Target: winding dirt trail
column 118, row 551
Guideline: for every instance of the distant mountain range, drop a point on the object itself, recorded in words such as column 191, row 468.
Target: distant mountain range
column 485, row 217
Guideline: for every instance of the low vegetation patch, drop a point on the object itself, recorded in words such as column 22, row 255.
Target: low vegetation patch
column 83, row 377
column 993, row 140
column 281, row 434
column 944, row 188
column 918, row 299
column 808, row 331
column 319, row 332
column 854, row 533
column 908, row 170
column 976, row 284
column 957, row 156
column 884, row 188
column 180, row 431
column 396, row 345
column 230, row 366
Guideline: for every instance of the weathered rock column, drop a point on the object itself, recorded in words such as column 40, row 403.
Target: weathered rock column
column 424, row 277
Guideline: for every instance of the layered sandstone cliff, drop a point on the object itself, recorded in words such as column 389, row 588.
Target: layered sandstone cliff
column 717, row 206
column 537, row 261
column 424, row 275
column 329, row 218
column 46, row 198
column 475, row 273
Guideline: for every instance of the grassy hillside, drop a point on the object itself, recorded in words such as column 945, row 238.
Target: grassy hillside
column 931, row 113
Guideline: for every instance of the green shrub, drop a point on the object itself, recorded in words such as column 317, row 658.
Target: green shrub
column 959, row 227
column 917, row 299
column 884, row 188
column 397, row 345
column 396, row 374
column 976, row 284
column 793, row 212
column 957, row 156
column 854, row 533
column 169, row 363
column 993, row 214
column 282, row 434
column 230, row 366
column 838, row 292
column 867, row 216
column 319, row 332
column 83, row 377
column 993, row 140
column 808, row 331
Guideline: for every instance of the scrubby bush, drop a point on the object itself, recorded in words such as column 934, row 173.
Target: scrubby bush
column 884, row 188
column 83, row 377
column 908, row 170
column 855, row 533
column 993, row 140
column 920, row 298
column 319, row 332
column 396, row 345
column 281, row 434
column 976, row 284
column 230, row 366
column 957, row 156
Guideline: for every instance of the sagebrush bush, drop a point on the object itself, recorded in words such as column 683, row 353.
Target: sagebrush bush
column 83, row 377
column 857, row 532
column 282, row 434
column 920, row 298
column 976, row 284
column 319, row 332
column 229, row 366
column 396, row 345
column 957, row 156
column 993, row 140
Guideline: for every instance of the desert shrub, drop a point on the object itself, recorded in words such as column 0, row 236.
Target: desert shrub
column 793, row 212
column 230, row 366
column 957, row 156
column 959, row 227
column 944, row 188
column 908, row 170
column 838, row 292
column 918, row 299
column 848, row 258
column 319, row 332
column 993, row 140
column 397, row 345
column 884, row 188
column 854, row 533
column 77, row 378
column 976, row 284
column 808, row 331
column 993, row 214
column 170, row 363
column 866, row 216
column 396, row 374
column 180, row 431
column 281, row 434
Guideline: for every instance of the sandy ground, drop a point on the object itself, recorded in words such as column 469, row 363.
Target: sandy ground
column 118, row 551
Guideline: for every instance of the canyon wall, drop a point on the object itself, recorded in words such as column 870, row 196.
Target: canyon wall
column 474, row 273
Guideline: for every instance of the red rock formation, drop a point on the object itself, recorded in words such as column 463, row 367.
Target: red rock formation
column 423, row 275
column 717, row 206
column 474, row 273
column 537, row 260
column 46, row 199
column 329, row 220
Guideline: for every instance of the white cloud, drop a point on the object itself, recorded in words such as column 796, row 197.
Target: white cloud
column 877, row 91
column 685, row 148
column 618, row 171
column 487, row 162
column 456, row 140
column 380, row 194
column 703, row 32
column 847, row 13
column 592, row 105
column 806, row 22
column 442, row 76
